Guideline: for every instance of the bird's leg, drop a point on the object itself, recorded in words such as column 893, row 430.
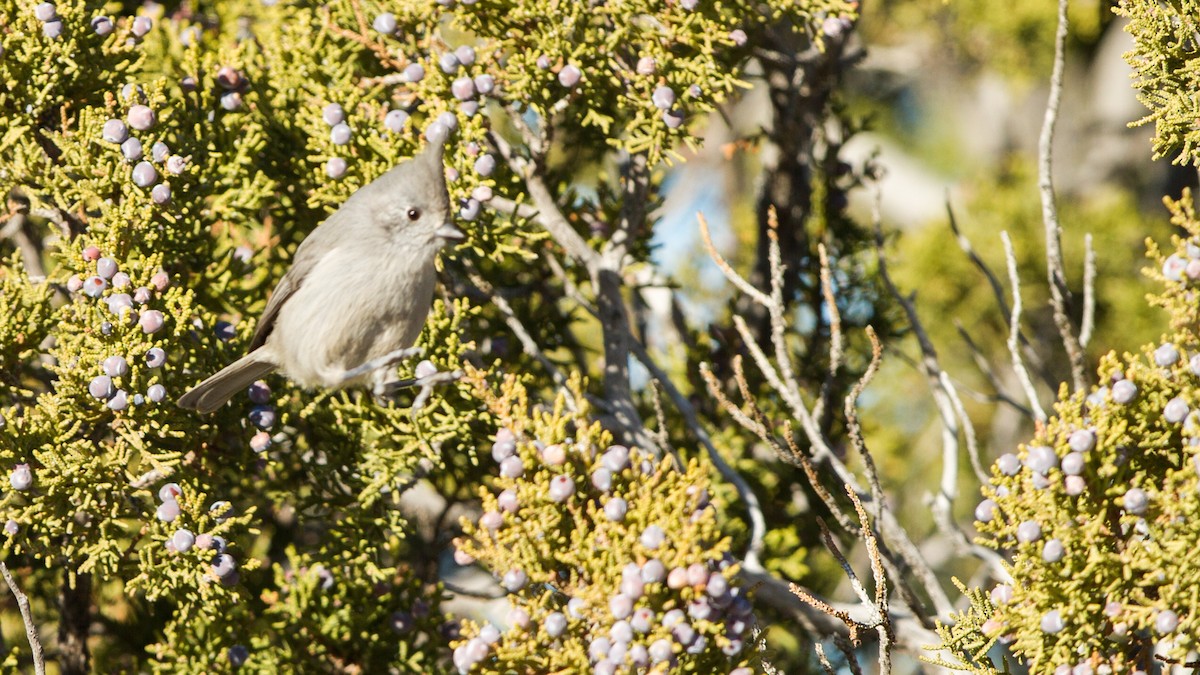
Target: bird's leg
column 425, row 383
column 381, row 362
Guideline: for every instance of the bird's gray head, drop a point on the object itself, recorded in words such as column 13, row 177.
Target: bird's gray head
column 411, row 203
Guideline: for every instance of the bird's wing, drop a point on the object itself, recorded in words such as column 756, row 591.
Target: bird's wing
column 308, row 255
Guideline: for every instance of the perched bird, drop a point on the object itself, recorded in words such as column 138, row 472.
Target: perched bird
column 358, row 291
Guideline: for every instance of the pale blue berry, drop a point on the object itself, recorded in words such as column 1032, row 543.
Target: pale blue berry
column 169, row 492
column 985, row 512
column 663, row 97
column 161, row 193
column 1052, row 622
column 1082, row 440
column 661, row 651
column 1029, row 531
column 1041, row 459
column 621, row 606
column 653, row 571
column 183, row 539
column 1173, row 267
column 615, row 509
column 642, row 620
column 45, row 11
column 394, row 120
column 602, row 479
column 231, row 100
column 485, row 84
column 262, row 416
column 1124, row 391
column 156, row 393
column 53, row 29
column 385, row 23
column 144, row 174
column 503, row 448
column 1072, row 464
column 151, row 321
column 1008, row 464
column 449, row 63
column 509, row 502
column 465, row 54
column 238, row 655
column 1135, row 501
column 463, row 88
column 340, row 134
column 1166, row 621
column 1053, row 550
column 673, row 118
column 561, row 488
column 224, row 566
column 512, row 467
column 132, row 149
column 106, row 267
column 414, row 72
column 569, row 76
column 168, row 511
column 616, row 458
column 333, row 114
column 159, row 151
column 485, row 165
column 115, row 366
column 335, row 168
column 491, row 521
column 102, row 25
column 142, row 117
column 653, row 537
column 1166, row 355
column 555, row 624
column 21, row 477
column 101, row 387
column 514, row 580
column 260, row 442
column 1176, row 410
column 142, row 25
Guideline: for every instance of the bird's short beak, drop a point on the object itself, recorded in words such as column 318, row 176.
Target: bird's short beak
column 449, row 232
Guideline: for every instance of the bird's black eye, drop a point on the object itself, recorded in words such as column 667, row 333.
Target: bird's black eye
column 414, row 214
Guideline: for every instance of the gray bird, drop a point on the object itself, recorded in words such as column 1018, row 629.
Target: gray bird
column 358, row 291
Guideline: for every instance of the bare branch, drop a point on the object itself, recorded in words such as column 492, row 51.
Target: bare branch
column 1014, row 327
column 731, row 274
column 1056, row 276
column 31, row 633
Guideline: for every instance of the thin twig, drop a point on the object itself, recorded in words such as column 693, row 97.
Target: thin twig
column 968, row 429
column 758, row 523
column 1056, row 276
column 1014, row 326
column 1089, row 292
column 855, row 429
column 884, row 623
column 35, row 643
column 528, row 344
column 836, row 346
column 731, row 274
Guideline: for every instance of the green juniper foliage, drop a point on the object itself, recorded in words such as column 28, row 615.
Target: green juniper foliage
column 1166, row 58
column 171, row 162
column 600, row 545
column 1098, row 511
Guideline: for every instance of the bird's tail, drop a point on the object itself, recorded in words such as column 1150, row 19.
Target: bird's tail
column 216, row 390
